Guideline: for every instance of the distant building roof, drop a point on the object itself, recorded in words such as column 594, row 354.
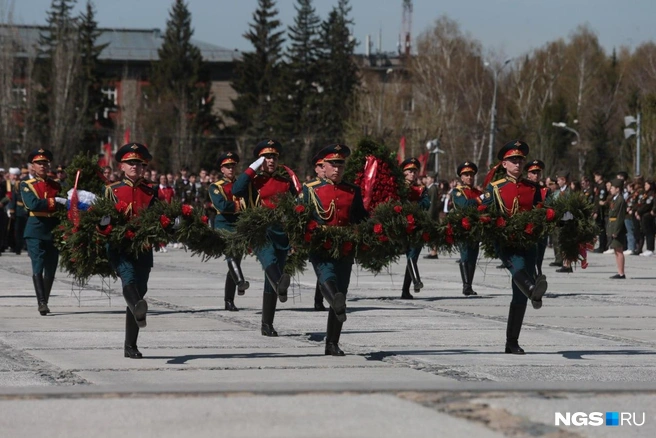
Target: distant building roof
column 124, row 44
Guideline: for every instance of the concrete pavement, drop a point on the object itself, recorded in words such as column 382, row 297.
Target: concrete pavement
column 427, row 367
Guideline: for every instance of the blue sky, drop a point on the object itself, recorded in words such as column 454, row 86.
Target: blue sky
column 509, row 27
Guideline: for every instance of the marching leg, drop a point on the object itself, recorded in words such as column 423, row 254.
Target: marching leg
column 269, row 301
column 229, row 294
column 39, row 288
column 131, row 333
column 333, row 331
column 318, row 299
column 533, row 290
column 405, row 291
column 136, row 303
column 279, row 281
column 335, row 299
column 413, row 269
column 234, row 268
column 471, row 270
column 515, row 319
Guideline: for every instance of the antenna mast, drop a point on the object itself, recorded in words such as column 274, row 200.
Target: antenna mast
column 406, row 28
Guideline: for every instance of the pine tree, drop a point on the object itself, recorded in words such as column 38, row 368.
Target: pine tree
column 338, row 70
column 297, row 107
column 256, row 76
column 178, row 83
column 57, row 74
column 93, row 101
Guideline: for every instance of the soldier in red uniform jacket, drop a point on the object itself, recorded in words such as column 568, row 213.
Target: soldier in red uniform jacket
column 134, row 194
column 512, row 194
column 260, row 185
column 334, row 203
column 416, row 193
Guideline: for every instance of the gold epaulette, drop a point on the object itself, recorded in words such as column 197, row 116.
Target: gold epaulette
column 313, row 183
column 499, row 181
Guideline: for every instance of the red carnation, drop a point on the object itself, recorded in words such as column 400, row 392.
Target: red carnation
column 481, row 208
column 365, row 247
column 378, row 228
column 449, row 230
column 425, row 236
column 551, row 214
column 312, row 225
column 299, row 209
column 500, row 222
column 328, row 244
column 205, row 219
column 410, row 228
column 129, row 234
column 383, row 238
column 449, row 240
column 528, row 229
column 164, row 221
column 187, row 209
column 121, row 206
column 465, row 224
column 398, row 209
column 485, row 219
column 540, row 204
column 307, row 237
column 410, row 218
column 347, row 247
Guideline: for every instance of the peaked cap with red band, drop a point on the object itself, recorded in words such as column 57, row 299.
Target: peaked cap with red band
column 467, row 166
column 39, row 155
column 227, row 158
column 410, row 163
column 534, row 165
column 267, row 147
column 515, row 148
column 133, row 152
column 334, row 152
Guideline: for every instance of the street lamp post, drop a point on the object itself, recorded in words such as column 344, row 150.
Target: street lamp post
column 628, row 132
column 564, row 126
column 493, row 110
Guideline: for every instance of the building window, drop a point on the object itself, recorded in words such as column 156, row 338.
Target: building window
column 110, row 94
column 409, row 105
column 19, row 95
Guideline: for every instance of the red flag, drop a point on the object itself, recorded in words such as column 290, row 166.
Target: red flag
column 126, row 136
column 423, row 161
column 400, row 155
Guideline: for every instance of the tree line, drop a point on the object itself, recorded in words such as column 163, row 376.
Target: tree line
column 304, row 85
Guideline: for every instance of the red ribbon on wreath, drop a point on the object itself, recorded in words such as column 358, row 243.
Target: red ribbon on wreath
column 368, row 178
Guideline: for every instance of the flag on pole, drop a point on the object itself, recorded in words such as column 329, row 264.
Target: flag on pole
column 423, row 161
column 126, row 136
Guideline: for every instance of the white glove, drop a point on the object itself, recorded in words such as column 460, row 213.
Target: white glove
column 62, row 201
column 257, row 163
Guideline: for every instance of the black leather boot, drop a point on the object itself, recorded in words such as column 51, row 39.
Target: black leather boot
column 229, row 294
column 471, row 270
column 40, row 290
column 333, row 331
column 335, row 299
column 405, row 290
column 466, row 284
column 131, row 333
column 318, row 299
column 534, row 290
column 136, row 304
column 268, row 312
column 413, row 270
column 279, row 281
column 234, row 270
column 47, row 283
column 515, row 319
